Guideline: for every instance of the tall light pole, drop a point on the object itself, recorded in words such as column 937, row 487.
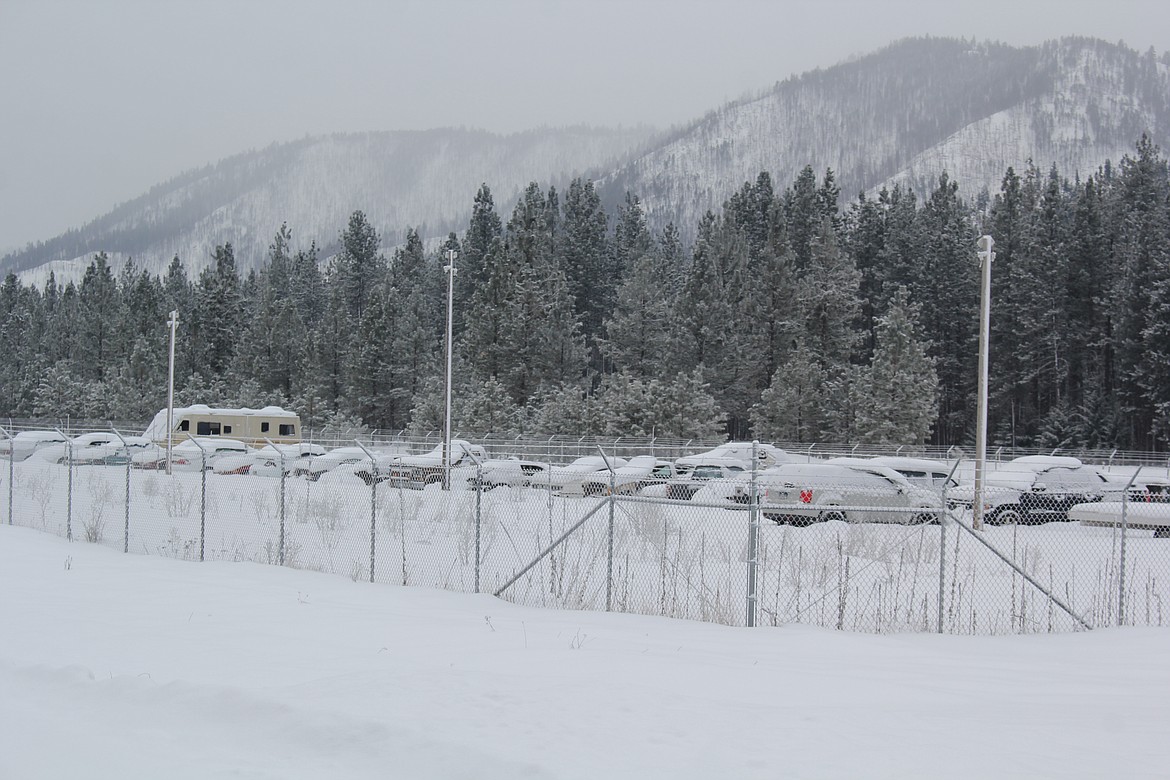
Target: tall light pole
column 986, row 256
column 173, row 323
column 450, row 269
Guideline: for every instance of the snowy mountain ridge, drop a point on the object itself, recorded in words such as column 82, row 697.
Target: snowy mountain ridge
column 1084, row 120
column 909, row 112
column 901, row 115
column 421, row 179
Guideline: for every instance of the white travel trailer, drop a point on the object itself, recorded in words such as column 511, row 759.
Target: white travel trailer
column 250, row 425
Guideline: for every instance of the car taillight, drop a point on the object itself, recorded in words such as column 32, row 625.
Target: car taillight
column 806, row 496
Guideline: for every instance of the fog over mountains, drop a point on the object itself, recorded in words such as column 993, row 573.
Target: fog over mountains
column 902, row 114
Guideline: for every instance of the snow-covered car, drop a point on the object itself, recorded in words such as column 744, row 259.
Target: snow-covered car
column 697, row 475
column 627, row 479
column 803, row 493
column 61, row 452
column 266, row 461
column 315, row 467
column 186, row 455
column 25, row 443
column 416, row 471
column 557, row 478
column 116, row 453
column 930, row 474
column 511, row 472
column 737, row 451
column 1142, row 517
column 662, row 473
column 1034, row 489
column 1144, row 487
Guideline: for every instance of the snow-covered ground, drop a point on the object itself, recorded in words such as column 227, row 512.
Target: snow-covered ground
column 680, row 559
column 131, row 666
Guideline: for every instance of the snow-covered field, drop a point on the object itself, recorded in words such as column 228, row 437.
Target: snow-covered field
column 132, row 666
column 680, row 559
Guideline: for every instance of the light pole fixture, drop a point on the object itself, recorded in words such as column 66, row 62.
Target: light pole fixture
column 450, row 270
column 173, row 323
column 986, row 256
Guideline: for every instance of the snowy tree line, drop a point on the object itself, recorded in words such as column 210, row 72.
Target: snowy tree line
column 788, row 318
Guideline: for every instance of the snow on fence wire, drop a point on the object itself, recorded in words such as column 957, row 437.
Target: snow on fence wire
column 561, row 447
column 861, row 566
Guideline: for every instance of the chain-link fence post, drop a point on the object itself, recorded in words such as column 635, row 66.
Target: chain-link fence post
column 11, row 468
column 69, row 494
column 609, row 532
column 283, row 477
column 373, row 505
column 126, row 526
column 753, row 537
column 1121, row 567
column 943, row 519
column 478, row 516
column 202, row 495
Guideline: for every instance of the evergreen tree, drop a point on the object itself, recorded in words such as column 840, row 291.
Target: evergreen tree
column 1143, row 332
column 946, row 288
column 590, row 272
column 100, row 311
column 641, row 329
column 358, row 269
column 791, row 409
column 484, row 229
column 218, row 314
column 898, row 402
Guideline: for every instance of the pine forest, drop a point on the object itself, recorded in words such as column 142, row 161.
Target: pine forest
column 795, row 314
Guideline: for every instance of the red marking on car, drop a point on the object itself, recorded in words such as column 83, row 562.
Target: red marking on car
column 806, row 496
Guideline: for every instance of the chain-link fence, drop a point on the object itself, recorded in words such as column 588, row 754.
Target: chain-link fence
column 881, row 545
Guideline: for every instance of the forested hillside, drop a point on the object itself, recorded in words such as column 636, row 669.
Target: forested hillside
column 908, row 112
column 789, row 318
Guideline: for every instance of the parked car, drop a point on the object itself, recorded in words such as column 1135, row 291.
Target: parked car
column 693, row 477
column 117, row 453
column 186, row 455
column 1144, row 487
column 930, row 474
column 417, row 471
column 511, row 472
column 1034, row 489
column 266, row 461
column 737, row 451
column 662, row 473
column 25, row 443
column 315, row 467
column 575, row 473
column 803, row 493
column 627, row 479
column 61, row 451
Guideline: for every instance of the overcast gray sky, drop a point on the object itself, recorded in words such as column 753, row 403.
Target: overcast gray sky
column 101, row 99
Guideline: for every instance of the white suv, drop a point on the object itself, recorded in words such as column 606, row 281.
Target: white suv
column 803, row 493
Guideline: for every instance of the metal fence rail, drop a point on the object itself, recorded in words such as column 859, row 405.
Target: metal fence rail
column 748, row 559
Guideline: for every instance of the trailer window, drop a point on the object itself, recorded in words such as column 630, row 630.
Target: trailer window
column 263, row 427
column 227, row 429
column 204, row 428
column 185, row 425
column 288, row 430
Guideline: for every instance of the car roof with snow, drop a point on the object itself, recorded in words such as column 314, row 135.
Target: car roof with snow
column 40, row 436
column 899, row 462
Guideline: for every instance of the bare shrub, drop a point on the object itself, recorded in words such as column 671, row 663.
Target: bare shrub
column 100, row 494
column 41, row 485
column 328, row 514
